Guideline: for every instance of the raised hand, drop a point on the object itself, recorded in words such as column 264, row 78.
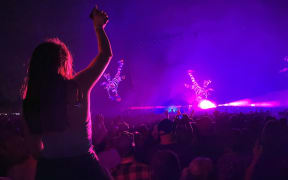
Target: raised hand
column 100, row 18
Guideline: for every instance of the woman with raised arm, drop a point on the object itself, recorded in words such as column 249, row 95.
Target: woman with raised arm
column 56, row 108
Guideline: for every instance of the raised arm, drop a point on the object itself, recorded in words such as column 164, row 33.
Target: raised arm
column 88, row 77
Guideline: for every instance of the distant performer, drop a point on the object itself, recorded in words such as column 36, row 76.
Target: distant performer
column 56, row 108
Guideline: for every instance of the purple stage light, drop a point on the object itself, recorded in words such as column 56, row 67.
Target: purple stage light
column 284, row 69
column 267, row 104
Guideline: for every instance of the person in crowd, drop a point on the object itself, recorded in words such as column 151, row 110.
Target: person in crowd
column 154, row 133
column 270, row 154
column 183, row 130
column 56, row 108
column 15, row 160
column 168, row 141
column 129, row 168
column 102, row 142
column 99, row 130
column 235, row 160
column 200, row 168
column 166, row 131
column 143, row 141
column 165, row 165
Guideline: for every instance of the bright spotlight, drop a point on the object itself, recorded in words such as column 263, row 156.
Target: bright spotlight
column 206, row 104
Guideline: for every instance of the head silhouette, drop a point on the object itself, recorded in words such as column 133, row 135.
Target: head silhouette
column 50, row 58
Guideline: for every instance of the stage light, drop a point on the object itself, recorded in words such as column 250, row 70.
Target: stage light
column 245, row 102
column 249, row 102
column 206, row 104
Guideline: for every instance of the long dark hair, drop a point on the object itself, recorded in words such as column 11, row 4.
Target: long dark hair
column 44, row 89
